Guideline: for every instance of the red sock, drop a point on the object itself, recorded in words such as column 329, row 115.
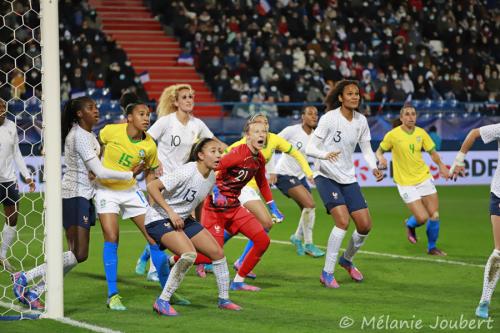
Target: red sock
column 261, row 242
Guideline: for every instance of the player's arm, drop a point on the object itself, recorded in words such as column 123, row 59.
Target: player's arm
column 313, row 149
column 265, row 190
column 271, row 170
column 487, row 133
column 21, row 165
column 369, row 156
column 154, row 191
column 385, row 145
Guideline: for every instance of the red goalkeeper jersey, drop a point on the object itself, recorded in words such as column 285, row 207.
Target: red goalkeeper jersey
column 236, row 169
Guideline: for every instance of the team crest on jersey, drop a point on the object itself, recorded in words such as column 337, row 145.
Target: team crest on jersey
column 142, row 153
column 335, row 195
column 419, row 138
column 217, row 229
column 85, row 219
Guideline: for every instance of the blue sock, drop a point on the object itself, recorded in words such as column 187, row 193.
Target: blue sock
column 160, row 260
column 227, row 236
column 245, row 251
column 412, row 222
column 110, row 259
column 432, row 233
column 145, row 254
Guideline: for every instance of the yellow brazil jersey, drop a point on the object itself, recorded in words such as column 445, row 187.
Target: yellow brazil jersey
column 409, row 166
column 122, row 154
column 275, row 142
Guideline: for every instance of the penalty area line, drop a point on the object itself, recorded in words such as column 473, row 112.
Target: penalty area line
column 81, row 324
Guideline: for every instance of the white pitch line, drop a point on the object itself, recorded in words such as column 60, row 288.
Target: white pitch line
column 81, row 324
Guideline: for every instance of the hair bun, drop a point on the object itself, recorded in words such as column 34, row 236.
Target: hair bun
column 129, row 98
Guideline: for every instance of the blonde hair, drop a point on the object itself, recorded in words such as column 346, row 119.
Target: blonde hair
column 168, row 97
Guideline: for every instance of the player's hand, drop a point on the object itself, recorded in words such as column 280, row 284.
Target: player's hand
column 444, row 171
column 176, row 220
column 332, row 156
column 382, row 164
column 218, row 199
column 273, row 178
column 159, row 170
column 276, row 215
column 138, row 169
column 458, row 167
column 310, row 179
column 31, row 184
column 379, row 175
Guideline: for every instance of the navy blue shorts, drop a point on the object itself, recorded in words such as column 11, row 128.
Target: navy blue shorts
column 159, row 228
column 9, row 193
column 334, row 194
column 78, row 211
column 285, row 183
column 494, row 205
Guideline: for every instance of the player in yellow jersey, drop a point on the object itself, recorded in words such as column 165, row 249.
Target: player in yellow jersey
column 250, row 197
column 412, row 175
column 125, row 146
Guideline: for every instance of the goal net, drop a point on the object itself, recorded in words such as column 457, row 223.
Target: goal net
column 23, row 243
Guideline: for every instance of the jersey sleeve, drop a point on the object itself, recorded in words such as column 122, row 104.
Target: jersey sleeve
column 490, row 133
column 104, row 135
column 158, row 128
column 386, row 144
column 84, row 148
column 204, row 131
column 427, row 142
column 282, row 145
column 152, row 158
column 323, row 129
column 260, row 178
column 364, row 134
column 172, row 180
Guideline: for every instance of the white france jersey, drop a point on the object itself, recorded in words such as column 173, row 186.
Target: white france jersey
column 287, row 165
column 175, row 139
column 184, row 190
column 488, row 134
column 10, row 153
column 339, row 134
column 80, row 146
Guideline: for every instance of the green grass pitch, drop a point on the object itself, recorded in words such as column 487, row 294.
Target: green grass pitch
column 398, row 291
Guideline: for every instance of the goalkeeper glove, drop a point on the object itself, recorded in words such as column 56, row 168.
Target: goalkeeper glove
column 218, row 199
column 276, row 215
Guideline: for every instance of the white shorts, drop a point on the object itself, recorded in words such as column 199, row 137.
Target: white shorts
column 127, row 203
column 416, row 192
column 248, row 194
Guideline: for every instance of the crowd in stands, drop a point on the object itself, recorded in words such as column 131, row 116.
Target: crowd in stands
column 89, row 58
column 288, row 50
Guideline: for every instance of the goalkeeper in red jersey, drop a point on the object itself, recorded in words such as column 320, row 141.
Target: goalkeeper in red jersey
column 222, row 210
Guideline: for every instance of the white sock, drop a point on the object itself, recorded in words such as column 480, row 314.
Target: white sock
column 69, row 261
column 39, row 288
column 177, row 274
column 152, row 268
column 8, row 235
column 491, row 275
column 357, row 240
column 309, row 215
column 221, row 273
column 238, row 278
column 299, row 233
column 332, row 250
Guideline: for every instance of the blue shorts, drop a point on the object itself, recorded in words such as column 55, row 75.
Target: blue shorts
column 494, row 205
column 159, row 228
column 78, row 211
column 285, row 183
column 9, row 193
column 334, row 194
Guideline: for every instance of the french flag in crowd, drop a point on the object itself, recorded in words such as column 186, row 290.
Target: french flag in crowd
column 263, row 7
